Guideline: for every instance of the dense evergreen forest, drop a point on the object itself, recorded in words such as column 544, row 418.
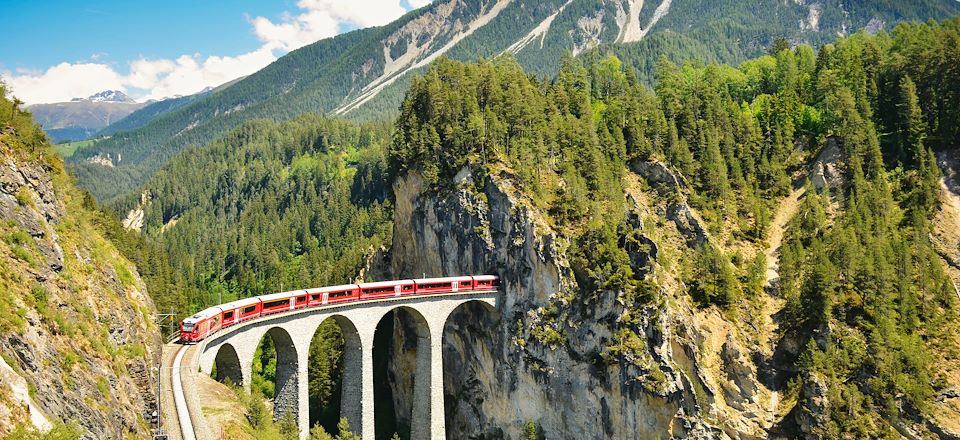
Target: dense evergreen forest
column 273, row 206
column 862, row 284
column 269, row 206
column 329, row 73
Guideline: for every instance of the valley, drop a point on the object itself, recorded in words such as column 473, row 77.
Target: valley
column 723, row 220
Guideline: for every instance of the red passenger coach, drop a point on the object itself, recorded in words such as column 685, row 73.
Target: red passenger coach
column 240, row 310
column 277, row 302
column 206, row 322
column 443, row 285
column 334, row 294
column 485, row 282
column 385, row 289
column 198, row 326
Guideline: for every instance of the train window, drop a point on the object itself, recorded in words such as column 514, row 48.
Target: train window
column 339, row 294
column 408, row 287
column 301, row 299
column 228, row 315
column 249, row 310
column 315, row 297
column 379, row 290
column 278, row 303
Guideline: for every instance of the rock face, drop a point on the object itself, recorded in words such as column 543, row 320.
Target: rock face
column 500, row 372
column 75, row 326
column 670, row 185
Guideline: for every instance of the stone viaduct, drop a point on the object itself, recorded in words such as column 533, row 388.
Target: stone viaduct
column 233, row 348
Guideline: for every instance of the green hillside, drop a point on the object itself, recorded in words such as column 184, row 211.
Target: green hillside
column 869, row 317
column 864, row 295
column 293, row 204
column 338, row 74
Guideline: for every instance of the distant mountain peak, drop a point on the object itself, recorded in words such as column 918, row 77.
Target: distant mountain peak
column 106, row 96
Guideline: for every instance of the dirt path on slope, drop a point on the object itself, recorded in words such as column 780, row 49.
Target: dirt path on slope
column 946, row 224
column 787, row 208
column 946, row 240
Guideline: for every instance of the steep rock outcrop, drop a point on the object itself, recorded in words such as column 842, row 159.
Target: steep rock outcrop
column 75, row 326
column 545, row 355
column 671, row 185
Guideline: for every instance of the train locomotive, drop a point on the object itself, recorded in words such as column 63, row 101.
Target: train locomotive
column 208, row 321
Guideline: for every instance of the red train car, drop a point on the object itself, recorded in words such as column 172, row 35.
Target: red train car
column 206, row 322
column 385, row 289
column 443, row 285
column 276, row 302
column 198, row 326
column 240, row 310
column 485, row 282
column 334, row 294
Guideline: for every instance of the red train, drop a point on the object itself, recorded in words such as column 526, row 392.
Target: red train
column 208, row 321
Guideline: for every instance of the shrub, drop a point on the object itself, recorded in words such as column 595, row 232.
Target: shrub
column 24, row 198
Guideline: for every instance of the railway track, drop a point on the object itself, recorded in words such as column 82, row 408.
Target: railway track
column 187, row 431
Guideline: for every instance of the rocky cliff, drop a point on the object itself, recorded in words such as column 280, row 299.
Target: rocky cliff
column 576, row 362
column 76, row 338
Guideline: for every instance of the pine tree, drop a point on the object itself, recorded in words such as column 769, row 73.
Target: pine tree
column 913, row 128
column 530, row 430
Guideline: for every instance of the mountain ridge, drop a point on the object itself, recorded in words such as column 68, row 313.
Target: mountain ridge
column 106, row 96
column 361, row 74
column 81, row 118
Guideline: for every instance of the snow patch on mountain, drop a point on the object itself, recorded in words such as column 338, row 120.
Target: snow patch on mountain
column 106, row 96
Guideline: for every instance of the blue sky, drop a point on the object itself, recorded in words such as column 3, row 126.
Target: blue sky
column 57, row 31
column 159, row 48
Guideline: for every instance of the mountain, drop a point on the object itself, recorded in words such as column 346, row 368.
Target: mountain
column 81, row 118
column 362, row 74
column 742, row 253
column 154, row 109
column 77, row 342
column 106, row 96
column 761, row 251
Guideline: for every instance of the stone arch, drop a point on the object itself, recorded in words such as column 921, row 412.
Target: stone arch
column 227, row 362
column 402, row 345
column 350, row 373
column 287, row 385
column 469, row 338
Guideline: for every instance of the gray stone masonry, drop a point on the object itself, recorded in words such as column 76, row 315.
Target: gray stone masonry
column 292, row 332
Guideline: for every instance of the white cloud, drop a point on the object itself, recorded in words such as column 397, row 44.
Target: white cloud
column 417, row 4
column 62, row 82
column 187, row 74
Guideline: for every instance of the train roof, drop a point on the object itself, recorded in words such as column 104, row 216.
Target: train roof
column 203, row 314
column 332, row 288
column 484, row 277
column 441, row 280
column 281, row 295
column 240, row 303
column 385, row 283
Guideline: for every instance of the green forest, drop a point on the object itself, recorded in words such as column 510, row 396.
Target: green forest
column 863, row 285
column 324, row 75
column 274, row 206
